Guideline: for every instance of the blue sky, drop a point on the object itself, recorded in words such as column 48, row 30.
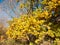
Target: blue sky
column 1, row 1
column 4, row 16
column 6, row 12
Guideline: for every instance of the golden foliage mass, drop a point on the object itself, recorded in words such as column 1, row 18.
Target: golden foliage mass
column 37, row 23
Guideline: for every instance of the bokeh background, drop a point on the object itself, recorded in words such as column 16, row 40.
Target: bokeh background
column 10, row 9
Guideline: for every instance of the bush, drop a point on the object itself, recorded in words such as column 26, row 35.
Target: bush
column 41, row 25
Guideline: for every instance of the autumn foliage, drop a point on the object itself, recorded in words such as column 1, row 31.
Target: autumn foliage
column 42, row 24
